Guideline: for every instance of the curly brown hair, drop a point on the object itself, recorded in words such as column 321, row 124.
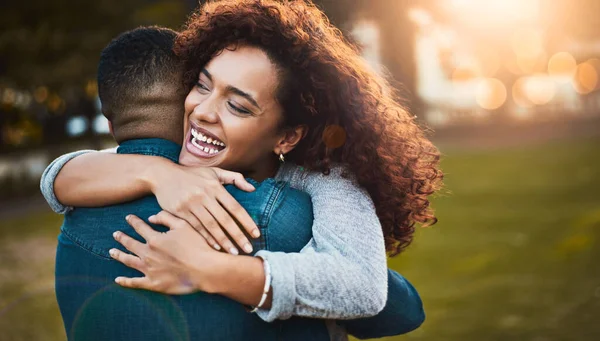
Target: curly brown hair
column 353, row 115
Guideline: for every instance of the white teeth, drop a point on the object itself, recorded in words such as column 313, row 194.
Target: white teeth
column 198, row 136
column 195, row 143
column 204, row 149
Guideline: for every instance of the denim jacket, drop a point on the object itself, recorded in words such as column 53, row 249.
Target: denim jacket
column 85, row 271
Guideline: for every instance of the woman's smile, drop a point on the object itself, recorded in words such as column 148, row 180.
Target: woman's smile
column 202, row 143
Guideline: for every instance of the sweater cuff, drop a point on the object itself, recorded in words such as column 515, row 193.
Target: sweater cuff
column 283, row 285
column 48, row 177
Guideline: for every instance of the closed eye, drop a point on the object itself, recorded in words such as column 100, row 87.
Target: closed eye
column 238, row 109
column 202, row 86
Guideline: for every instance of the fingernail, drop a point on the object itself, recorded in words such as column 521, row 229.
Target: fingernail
column 152, row 217
column 217, row 247
column 118, row 279
column 247, row 247
column 256, row 233
column 128, row 217
column 116, row 234
column 233, row 251
column 112, row 252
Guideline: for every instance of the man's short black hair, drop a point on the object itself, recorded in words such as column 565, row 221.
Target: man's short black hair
column 140, row 84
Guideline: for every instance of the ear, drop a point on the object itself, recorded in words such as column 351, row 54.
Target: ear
column 290, row 139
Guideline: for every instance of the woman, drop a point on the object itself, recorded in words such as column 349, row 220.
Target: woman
column 270, row 81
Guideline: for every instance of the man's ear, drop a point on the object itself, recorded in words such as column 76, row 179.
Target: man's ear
column 290, row 139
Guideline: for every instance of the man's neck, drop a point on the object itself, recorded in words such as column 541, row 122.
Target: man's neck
column 151, row 146
column 268, row 171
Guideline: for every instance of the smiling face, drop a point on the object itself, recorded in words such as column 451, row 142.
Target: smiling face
column 232, row 119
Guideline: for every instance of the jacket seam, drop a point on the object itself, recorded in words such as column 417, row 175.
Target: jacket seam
column 269, row 208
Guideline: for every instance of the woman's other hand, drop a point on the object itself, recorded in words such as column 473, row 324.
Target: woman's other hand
column 197, row 195
column 173, row 262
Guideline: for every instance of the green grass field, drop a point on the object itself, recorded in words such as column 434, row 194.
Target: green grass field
column 512, row 258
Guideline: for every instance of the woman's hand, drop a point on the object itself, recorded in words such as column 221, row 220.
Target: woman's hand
column 180, row 261
column 173, row 262
column 197, row 195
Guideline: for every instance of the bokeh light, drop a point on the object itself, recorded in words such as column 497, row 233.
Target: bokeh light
column 488, row 62
column 562, row 64
column 491, row 93
column 461, row 74
column 539, row 89
column 55, row 103
column 91, row 89
column 532, row 64
column 519, row 94
column 585, row 79
column 334, row 136
column 595, row 62
column 419, row 16
column 77, row 126
column 9, row 96
column 40, row 94
column 100, row 125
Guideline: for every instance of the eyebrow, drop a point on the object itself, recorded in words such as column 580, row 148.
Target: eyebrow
column 231, row 88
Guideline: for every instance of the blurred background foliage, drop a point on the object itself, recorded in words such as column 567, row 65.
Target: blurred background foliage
column 56, row 43
column 509, row 88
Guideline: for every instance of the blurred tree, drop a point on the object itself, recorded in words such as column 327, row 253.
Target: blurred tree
column 57, row 43
column 398, row 47
column 397, row 34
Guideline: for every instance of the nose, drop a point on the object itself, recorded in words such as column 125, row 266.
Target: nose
column 206, row 111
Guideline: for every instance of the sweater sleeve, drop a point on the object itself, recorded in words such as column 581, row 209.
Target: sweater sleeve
column 342, row 272
column 50, row 174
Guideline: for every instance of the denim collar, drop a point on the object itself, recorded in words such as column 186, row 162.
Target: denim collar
column 151, row 146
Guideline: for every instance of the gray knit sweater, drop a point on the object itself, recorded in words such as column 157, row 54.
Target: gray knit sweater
column 340, row 274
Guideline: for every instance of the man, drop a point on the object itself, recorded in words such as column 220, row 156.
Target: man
column 139, row 81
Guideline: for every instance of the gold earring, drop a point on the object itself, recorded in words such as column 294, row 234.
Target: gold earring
column 281, row 158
